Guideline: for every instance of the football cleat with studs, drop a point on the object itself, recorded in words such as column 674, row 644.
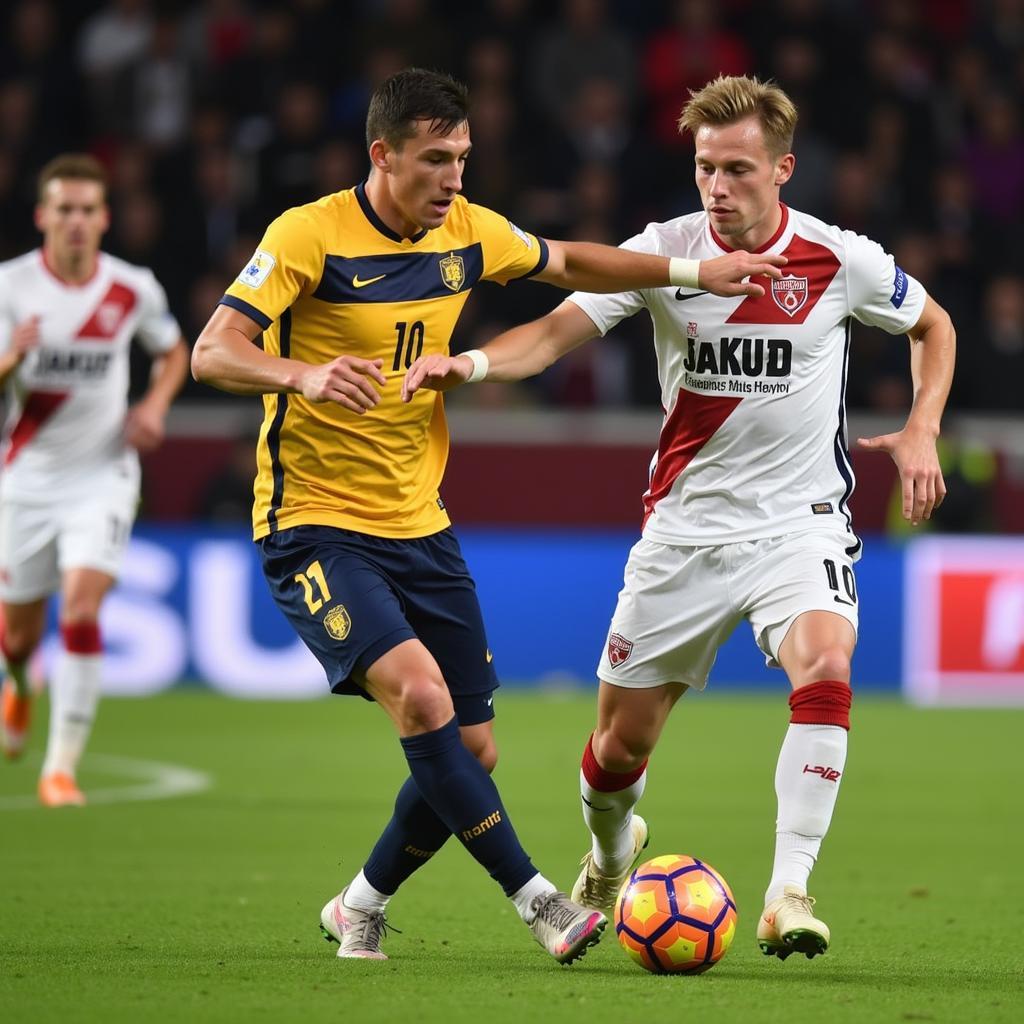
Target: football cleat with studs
column 357, row 932
column 788, row 925
column 60, row 790
column 564, row 928
column 599, row 891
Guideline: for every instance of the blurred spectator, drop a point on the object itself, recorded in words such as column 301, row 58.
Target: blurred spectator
column 213, row 117
column 110, row 44
column 582, row 47
column 994, row 366
column 685, row 54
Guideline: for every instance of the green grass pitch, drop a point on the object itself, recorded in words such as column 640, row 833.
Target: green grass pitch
column 205, row 907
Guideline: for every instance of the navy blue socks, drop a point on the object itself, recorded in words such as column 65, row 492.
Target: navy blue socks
column 412, row 836
column 464, row 797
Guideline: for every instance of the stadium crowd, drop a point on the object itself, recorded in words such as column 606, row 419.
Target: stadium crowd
column 212, row 117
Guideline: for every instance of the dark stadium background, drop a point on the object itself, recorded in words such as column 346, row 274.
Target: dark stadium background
column 213, row 117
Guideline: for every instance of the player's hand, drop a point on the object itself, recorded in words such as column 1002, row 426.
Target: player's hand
column 918, row 463
column 144, row 427
column 25, row 336
column 437, row 372
column 346, row 381
column 728, row 275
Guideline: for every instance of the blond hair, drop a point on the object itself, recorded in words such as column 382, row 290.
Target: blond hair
column 732, row 98
column 72, row 166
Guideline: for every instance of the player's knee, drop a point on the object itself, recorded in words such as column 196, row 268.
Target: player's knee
column 829, row 663
column 621, row 751
column 424, row 703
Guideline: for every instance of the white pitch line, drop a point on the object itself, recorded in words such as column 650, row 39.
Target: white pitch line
column 157, row 781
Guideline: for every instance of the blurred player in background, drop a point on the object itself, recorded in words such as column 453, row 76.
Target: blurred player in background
column 69, row 485
column 746, row 513
column 355, row 541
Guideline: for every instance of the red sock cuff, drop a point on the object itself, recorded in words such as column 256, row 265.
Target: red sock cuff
column 826, row 702
column 81, row 637
column 603, row 780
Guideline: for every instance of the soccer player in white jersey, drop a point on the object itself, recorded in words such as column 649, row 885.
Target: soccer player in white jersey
column 69, row 479
column 746, row 513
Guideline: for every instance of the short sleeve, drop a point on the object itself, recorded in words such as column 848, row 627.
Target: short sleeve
column 606, row 310
column 158, row 331
column 288, row 263
column 881, row 294
column 509, row 252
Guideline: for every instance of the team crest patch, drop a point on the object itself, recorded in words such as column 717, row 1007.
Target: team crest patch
column 258, row 269
column 790, row 294
column 337, row 622
column 619, row 649
column 521, row 235
column 453, row 271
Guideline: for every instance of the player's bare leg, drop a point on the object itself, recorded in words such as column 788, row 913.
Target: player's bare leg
column 816, row 656
column 408, row 685
column 75, row 686
column 613, row 774
column 21, row 630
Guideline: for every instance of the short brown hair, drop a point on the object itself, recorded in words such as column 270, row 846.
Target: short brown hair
column 732, row 98
column 76, row 166
column 415, row 95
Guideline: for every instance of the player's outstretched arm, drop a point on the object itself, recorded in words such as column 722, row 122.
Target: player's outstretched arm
column 226, row 357
column 932, row 356
column 589, row 267
column 520, row 352
column 144, row 424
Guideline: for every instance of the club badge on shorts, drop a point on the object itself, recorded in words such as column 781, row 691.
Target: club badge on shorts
column 619, row 649
column 337, row 622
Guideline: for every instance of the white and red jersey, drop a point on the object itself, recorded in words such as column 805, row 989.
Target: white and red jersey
column 754, row 440
column 67, row 399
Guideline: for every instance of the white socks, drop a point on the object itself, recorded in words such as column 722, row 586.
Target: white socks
column 810, row 767
column 74, row 694
column 360, row 895
column 608, row 816
column 522, row 898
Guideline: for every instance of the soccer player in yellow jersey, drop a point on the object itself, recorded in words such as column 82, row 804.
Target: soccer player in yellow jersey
column 356, row 544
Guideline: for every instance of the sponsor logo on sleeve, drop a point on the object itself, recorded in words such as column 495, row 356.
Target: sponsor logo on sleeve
column 899, row 288
column 822, row 508
column 521, row 235
column 258, row 269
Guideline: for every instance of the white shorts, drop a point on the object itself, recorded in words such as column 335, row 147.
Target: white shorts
column 39, row 542
column 678, row 605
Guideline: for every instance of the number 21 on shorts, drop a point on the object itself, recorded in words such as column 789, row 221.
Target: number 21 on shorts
column 314, row 587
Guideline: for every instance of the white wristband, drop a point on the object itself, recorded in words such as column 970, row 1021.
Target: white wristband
column 684, row 273
column 480, row 365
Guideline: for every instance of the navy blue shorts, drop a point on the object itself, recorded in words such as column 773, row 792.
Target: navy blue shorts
column 352, row 597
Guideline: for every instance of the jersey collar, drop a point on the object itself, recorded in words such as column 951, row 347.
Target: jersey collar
column 779, row 231
column 371, row 215
column 51, row 271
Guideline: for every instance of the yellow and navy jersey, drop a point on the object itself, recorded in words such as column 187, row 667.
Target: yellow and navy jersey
column 331, row 279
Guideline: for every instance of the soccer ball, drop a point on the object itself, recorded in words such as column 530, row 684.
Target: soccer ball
column 675, row 915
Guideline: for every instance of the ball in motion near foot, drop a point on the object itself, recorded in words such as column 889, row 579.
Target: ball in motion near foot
column 675, row 915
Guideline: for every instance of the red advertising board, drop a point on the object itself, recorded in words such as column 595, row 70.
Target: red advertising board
column 963, row 621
